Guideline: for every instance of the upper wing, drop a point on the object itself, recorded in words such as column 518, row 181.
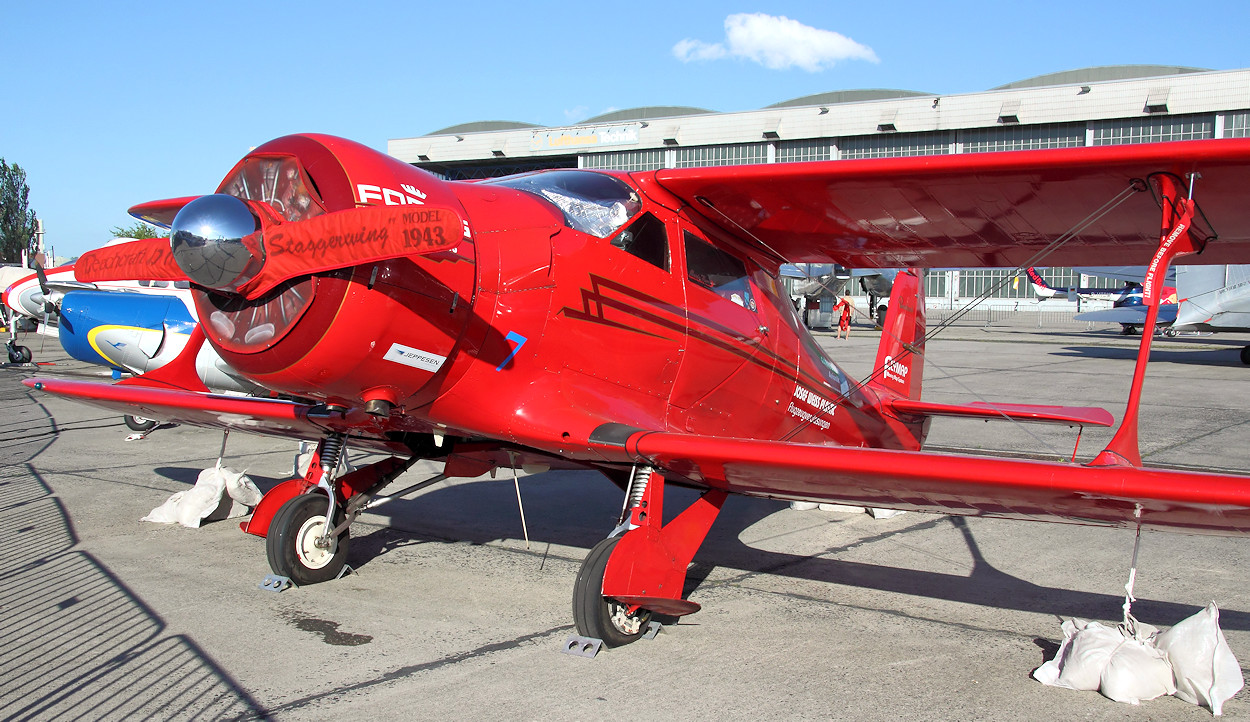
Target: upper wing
column 160, row 213
column 963, row 485
column 975, row 209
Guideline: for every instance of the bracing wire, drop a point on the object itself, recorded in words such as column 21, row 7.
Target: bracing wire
column 1134, row 186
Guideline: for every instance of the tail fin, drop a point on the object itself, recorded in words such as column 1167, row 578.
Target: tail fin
column 900, row 356
column 1041, row 288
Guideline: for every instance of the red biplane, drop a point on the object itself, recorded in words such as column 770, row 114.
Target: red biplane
column 634, row 323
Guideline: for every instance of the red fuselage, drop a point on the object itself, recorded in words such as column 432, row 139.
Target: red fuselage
column 643, row 315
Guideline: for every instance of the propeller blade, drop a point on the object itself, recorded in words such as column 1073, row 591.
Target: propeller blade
column 352, row 238
column 50, row 307
column 149, row 259
column 43, row 279
column 288, row 250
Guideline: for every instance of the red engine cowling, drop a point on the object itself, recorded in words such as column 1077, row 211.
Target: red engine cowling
column 375, row 334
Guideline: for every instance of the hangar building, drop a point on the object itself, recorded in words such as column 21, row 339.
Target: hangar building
column 1093, row 106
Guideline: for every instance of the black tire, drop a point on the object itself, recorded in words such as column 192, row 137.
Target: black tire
column 597, row 616
column 289, row 541
column 139, row 423
column 1245, row 355
column 20, row 354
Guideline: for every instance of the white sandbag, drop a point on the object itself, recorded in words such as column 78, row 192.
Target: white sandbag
column 885, row 513
column 213, row 497
column 1120, row 662
column 1137, row 671
column 240, row 488
column 1206, row 672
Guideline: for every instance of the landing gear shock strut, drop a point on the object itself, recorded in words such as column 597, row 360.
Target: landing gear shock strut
column 624, row 579
column 306, row 533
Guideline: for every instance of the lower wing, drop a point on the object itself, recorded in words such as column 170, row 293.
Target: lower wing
column 269, row 417
column 1199, row 503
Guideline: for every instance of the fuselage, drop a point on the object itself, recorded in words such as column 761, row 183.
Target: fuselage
column 576, row 298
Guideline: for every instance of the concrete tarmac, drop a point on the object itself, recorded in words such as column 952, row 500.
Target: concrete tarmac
column 806, row 614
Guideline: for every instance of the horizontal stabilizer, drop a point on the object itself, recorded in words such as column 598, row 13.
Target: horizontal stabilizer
column 1070, row 415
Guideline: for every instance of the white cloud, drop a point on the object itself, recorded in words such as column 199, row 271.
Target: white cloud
column 777, row 43
column 575, row 114
column 689, row 49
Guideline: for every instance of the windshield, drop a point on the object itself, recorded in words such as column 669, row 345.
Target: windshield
column 592, row 203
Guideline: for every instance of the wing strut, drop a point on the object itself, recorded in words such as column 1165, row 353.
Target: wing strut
column 1175, row 239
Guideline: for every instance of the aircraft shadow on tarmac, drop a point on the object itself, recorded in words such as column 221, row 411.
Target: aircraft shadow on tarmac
column 77, row 642
column 577, row 509
column 1200, row 357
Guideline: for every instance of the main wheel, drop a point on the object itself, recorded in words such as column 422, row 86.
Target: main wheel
column 139, row 423
column 292, row 541
column 20, row 354
column 597, row 616
column 1245, row 355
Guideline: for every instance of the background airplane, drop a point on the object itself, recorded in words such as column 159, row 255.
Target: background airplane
column 634, row 324
column 1132, row 276
column 1215, row 299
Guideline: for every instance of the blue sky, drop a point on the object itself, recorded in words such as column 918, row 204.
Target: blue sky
column 112, row 104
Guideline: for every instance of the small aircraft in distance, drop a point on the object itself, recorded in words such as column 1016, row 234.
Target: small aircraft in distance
column 138, row 332
column 1216, row 299
column 38, row 296
column 1045, row 289
column 634, row 323
column 1128, row 308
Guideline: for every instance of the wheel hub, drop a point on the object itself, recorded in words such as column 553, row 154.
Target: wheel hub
column 625, row 622
column 311, row 554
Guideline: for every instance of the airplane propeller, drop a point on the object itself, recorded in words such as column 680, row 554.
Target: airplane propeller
column 243, row 247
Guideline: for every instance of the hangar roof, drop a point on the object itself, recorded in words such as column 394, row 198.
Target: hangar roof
column 848, row 96
column 1100, row 73
column 481, row 126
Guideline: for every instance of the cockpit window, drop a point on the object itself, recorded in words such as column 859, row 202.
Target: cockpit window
column 592, row 203
column 718, row 271
column 646, row 238
column 278, row 181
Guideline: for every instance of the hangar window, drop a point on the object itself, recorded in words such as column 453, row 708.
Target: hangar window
column 1022, row 137
column 717, row 271
column 593, row 203
column 646, row 238
column 625, row 160
column 732, row 154
column 1153, row 130
column 897, row 145
column 1237, row 125
column 794, row 151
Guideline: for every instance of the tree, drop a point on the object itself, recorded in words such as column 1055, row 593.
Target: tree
column 138, row 229
column 17, row 220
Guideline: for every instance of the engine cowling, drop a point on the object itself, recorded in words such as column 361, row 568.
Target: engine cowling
column 373, row 334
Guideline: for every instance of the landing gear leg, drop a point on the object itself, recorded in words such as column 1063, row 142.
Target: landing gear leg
column 304, row 542
column 306, row 521
column 624, row 579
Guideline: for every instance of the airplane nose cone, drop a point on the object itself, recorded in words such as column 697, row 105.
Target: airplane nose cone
column 207, row 241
